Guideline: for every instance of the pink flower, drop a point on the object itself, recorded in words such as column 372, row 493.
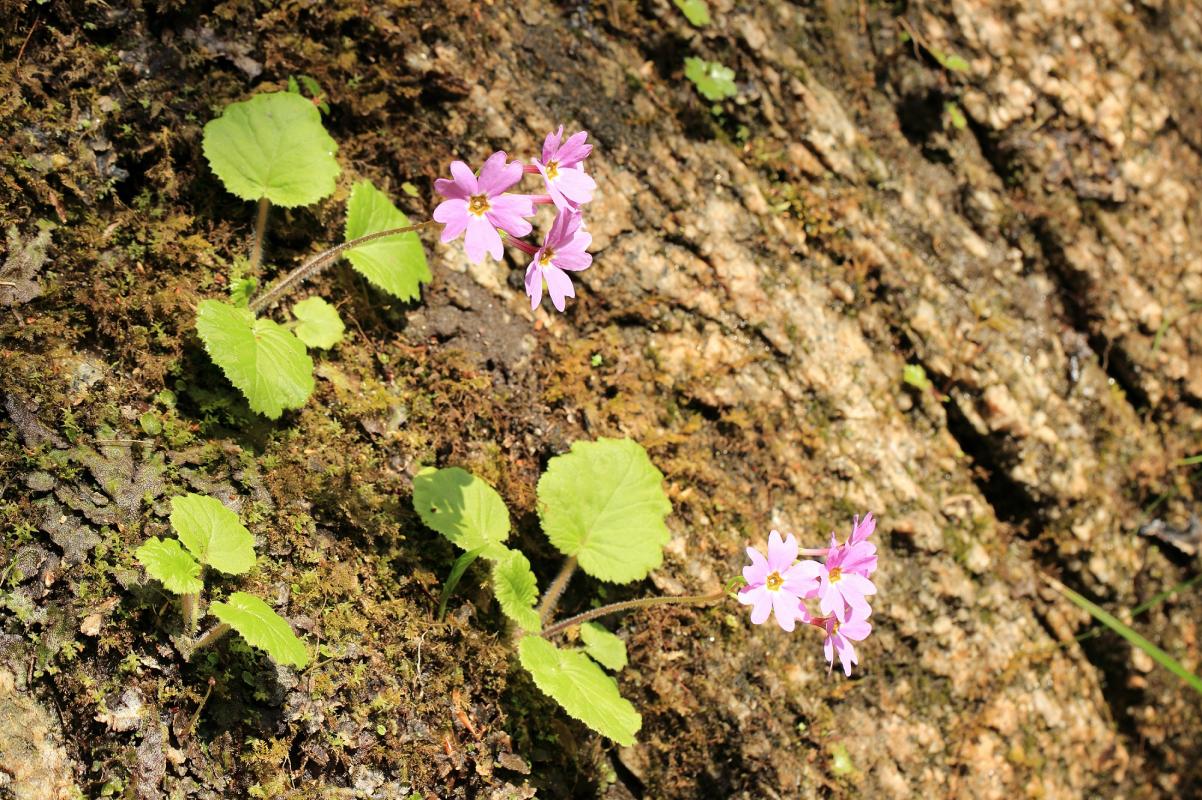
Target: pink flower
column 563, row 249
column 478, row 206
column 844, row 578
column 861, row 529
column 567, row 184
column 839, row 637
column 776, row 584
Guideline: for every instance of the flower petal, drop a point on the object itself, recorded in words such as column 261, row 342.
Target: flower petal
column 482, row 238
column 551, row 144
column 453, row 214
column 575, row 185
column 534, row 284
column 781, row 553
column 497, row 175
column 508, row 213
column 757, row 571
column 450, row 188
column 785, row 606
column 464, row 178
column 559, row 286
column 574, row 150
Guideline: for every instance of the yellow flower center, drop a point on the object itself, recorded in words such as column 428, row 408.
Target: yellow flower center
column 545, row 258
column 836, row 574
column 774, row 582
column 478, row 204
column 552, row 169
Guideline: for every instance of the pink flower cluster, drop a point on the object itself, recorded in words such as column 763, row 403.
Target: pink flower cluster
column 480, row 208
column 779, row 584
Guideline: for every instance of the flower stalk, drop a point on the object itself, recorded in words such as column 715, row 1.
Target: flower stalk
column 626, row 605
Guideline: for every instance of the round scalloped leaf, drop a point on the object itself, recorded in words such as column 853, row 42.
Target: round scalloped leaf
column 396, row 264
column 274, row 146
column 571, row 679
column 171, row 565
column 604, row 503
column 262, row 628
column 213, row 533
column 462, row 508
column 517, row 590
column 260, row 357
column 715, row 81
column 318, row 323
column 606, row 649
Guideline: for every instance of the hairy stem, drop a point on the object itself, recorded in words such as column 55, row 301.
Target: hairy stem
column 191, row 603
column 315, row 265
column 555, row 591
column 211, row 636
column 643, row 602
column 813, row 551
column 256, row 250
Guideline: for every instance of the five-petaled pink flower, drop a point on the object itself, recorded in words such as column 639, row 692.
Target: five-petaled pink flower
column 843, row 580
column 560, row 166
column 563, row 249
column 839, row 637
column 478, row 206
column 776, row 584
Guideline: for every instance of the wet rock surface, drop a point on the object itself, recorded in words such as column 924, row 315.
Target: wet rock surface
column 1024, row 229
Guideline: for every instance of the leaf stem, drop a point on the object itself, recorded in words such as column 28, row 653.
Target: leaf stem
column 191, row 604
column 642, row 602
column 556, row 589
column 256, row 250
column 212, row 635
column 315, row 265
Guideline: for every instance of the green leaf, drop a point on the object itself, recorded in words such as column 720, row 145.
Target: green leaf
column 320, row 325
column 958, row 120
column 273, row 146
column 571, row 679
column 605, row 648
column 170, row 564
column 949, row 61
column 261, row 358
column 213, row 533
column 462, row 508
column 714, row 81
column 262, row 628
column 1101, row 615
column 517, row 590
column 603, row 503
column 916, row 376
column 456, row 574
column 396, row 264
column 695, row 11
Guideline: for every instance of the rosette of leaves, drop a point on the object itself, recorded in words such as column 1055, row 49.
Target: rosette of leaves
column 274, row 148
column 211, row 535
column 601, row 503
column 714, row 81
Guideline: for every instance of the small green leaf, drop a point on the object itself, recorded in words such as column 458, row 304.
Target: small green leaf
column 170, row 564
column 605, row 648
column 916, row 376
column 604, row 503
column 462, row 508
column 320, row 325
column 396, row 264
column 571, row 679
column 274, row 146
column 262, row 628
column 695, row 11
column 517, row 590
column 958, row 120
column 949, row 61
column 456, row 574
column 261, row 358
column 714, row 81
column 213, row 533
